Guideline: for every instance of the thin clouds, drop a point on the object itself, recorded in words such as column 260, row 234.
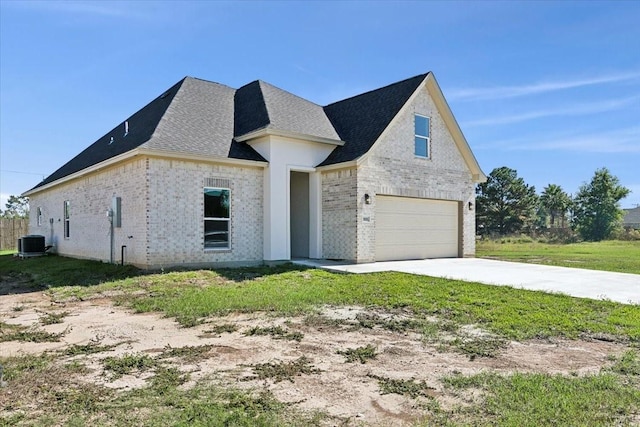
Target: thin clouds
column 502, row 92
column 573, row 110
column 615, row 141
column 105, row 9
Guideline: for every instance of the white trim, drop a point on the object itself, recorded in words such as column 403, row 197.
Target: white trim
column 287, row 134
column 205, row 218
column 427, row 138
column 344, row 165
column 150, row 153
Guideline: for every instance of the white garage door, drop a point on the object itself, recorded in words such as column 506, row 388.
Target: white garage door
column 408, row 228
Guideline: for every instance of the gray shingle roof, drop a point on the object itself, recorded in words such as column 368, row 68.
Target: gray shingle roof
column 203, row 118
column 631, row 217
column 361, row 119
column 291, row 113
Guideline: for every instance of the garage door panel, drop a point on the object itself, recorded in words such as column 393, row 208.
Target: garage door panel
column 409, row 228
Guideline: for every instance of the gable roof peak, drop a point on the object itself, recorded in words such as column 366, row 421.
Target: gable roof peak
column 383, row 88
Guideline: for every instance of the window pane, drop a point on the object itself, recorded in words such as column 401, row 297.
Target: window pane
column 216, row 203
column 421, row 146
column 422, row 126
column 216, row 234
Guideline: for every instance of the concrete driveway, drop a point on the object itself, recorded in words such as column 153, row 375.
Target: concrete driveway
column 619, row 287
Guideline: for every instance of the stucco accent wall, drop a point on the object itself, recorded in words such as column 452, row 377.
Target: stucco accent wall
column 391, row 168
column 339, row 200
column 175, row 213
column 90, row 198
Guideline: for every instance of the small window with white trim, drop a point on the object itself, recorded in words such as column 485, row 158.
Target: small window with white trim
column 67, row 219
column 422, row 137
column 39, row 216
column 217, row 218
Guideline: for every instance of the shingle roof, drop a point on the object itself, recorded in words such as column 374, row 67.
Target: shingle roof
column 631, row 216
column 361, row 119
column 203, row 118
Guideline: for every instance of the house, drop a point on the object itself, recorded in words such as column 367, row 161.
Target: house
column 631, row 218
column 214, row 176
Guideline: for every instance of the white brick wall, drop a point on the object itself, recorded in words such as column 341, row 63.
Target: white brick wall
column 339, row 212
column 391, row 168
column 162, row 214
column 176, row 211
column 90, row 198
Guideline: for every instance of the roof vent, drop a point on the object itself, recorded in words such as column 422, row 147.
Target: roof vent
column 126, row 128
column 111, row 141
column 164, row 95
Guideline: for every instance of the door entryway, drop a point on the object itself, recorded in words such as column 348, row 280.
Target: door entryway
column 299, row 214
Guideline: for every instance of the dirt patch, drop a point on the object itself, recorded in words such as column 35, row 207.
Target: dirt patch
column 347, row 391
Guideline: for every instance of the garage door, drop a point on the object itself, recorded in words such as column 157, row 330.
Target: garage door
column 408, row 228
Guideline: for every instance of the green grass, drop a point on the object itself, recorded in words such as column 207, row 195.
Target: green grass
column 525, row 399
column 193, row 295
column 512, row 313
column 434, row 305
column 359, row 354
column 44, row 393
column 613, row 255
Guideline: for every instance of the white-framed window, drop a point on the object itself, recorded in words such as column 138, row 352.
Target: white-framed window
column 39, row 216
column 67, row 216
column 217, row 218
column 422, row 139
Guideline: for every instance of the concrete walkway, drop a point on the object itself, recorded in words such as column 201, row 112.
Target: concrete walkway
column 619, row 287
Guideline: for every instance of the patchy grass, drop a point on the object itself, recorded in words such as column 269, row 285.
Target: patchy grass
column 360, row 354
column 280, row 371
column 53, row 318
column 276, row 332
column 221, row 329
column 507, row 312
column 411, row 387
column 10, row 332
column 543, row 399
column 187, row 353
column 45, row 393
column 610, row 255
column 128, row 363
column 627, row 364
column 85, row 349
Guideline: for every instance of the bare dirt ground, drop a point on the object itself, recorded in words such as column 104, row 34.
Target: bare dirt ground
column 347, row 391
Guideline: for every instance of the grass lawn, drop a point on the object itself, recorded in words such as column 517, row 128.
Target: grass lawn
column 612, row 255
column 603, row 398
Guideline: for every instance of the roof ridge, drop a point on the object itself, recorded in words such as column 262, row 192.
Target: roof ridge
column 289, row 93
column 424, row 75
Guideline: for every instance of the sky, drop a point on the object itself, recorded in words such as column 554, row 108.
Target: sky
column 550, row 89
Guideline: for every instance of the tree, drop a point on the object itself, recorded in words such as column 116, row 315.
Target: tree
column 505, row 204
column 597, row 210
column 16, row 207
column 556, row 202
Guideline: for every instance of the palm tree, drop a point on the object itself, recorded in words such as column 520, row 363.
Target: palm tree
column 556, row 202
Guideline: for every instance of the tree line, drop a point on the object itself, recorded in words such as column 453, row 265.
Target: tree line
column 505, row 205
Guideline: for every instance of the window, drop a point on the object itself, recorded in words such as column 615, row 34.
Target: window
column 67, row 212
column 217, row 207
column 422, row 138
column 39, row 216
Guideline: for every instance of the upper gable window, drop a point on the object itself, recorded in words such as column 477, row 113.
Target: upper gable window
column 422, row 138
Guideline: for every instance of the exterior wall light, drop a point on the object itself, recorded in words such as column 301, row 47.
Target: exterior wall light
column 470, row 206
column 367, row 199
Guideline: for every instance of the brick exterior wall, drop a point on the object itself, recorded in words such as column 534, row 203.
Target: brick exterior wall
column 162, row 214
column 339, row 200
column 89, row 228
column 391, row 168
column 176, row 212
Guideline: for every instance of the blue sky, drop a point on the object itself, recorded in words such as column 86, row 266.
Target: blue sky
column 551, row 89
